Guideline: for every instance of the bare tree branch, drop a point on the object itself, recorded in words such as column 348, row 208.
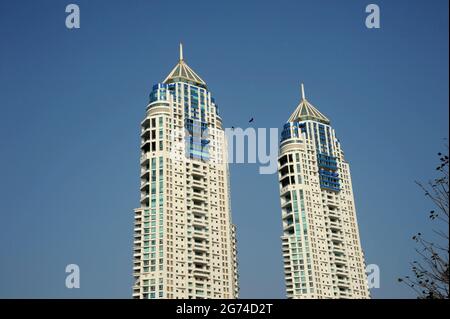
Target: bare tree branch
column 431, row 273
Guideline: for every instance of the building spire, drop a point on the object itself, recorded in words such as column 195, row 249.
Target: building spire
column 181, row 51
column 303, row 92
column 182, row 72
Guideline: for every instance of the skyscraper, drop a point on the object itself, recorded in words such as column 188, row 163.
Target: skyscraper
column 321, row 247
column 184, row 240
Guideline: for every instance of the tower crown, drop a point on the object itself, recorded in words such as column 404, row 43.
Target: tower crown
column 182, row 72
column 307, row 111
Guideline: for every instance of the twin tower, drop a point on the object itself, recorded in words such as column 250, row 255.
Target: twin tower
column 184, row 238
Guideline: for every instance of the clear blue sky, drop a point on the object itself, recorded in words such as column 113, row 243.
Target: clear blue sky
column 72, row 101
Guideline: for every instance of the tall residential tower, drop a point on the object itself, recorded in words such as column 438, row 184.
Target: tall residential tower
column 320, row 242
column 184, row 240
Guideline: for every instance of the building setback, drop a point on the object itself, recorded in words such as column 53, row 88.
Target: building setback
column 184, row 239
column 321, row 246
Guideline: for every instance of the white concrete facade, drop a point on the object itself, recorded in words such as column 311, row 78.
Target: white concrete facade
column 184, row 239
column 321, row 246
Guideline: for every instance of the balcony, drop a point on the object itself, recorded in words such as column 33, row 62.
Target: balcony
column 287, row 272
column 343, row 295
column 203, row 260
column 338, row 249
column 334, row 214
column 336, row 226
column 145, row 158
column 199, row 196
column 200, row 294
column 145, row 172
column 286, row 204
column 199, row 211
column 343, row 283
column 340, row 271
column 145, row 185
column 145, row 197
column 286, row 258
column 200, row 247
column 145, row 123
column 201, row 222
column 201, row 272
column 285, row 189
column 145, row 144
column 289, row 231
column 198, row 172
column 337, row 238
column 287, row 215
column 198, row 208
column 200, row 234
column 145, row 133
column 288, row 222
column 339, row 260
column 332, row 203
column 198, row 184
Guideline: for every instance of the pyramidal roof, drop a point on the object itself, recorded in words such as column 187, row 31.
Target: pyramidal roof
column 182, row 72
column 307, row 111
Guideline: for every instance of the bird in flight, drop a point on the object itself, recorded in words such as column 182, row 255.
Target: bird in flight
column 251, row 120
